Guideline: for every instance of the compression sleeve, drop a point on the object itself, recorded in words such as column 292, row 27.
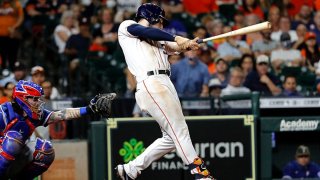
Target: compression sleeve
column 149, row 33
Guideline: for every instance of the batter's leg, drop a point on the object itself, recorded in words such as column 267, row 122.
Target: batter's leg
column 161, row 101
column 155, row 151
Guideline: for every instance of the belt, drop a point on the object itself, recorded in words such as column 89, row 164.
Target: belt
column 151, row 73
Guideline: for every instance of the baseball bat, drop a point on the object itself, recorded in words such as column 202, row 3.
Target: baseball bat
column 241, row 31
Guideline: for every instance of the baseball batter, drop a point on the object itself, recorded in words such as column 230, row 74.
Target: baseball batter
column 146, row 48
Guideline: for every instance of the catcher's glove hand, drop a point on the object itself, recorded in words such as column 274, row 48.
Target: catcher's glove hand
column 101, row 104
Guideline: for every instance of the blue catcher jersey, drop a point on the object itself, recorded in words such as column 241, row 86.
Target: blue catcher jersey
column 10, row 120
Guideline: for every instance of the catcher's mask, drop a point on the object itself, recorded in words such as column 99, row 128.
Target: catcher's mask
column 152, row 13
column 28, row 96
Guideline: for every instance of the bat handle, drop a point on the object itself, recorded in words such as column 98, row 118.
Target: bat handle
column 199, row 41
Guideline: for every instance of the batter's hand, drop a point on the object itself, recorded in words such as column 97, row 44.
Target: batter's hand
column 101, row 104
column 186, row 44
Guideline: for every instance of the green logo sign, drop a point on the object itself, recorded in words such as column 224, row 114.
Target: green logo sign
column 131, row 149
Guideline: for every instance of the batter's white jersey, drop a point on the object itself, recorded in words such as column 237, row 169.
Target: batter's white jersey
column 141, row 57
column 156, row 95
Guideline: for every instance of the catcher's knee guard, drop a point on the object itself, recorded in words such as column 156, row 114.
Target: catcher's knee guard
column 199, row 170
column 11, row 146
column 43, row 157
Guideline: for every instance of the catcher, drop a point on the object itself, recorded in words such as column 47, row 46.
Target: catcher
column 20, row 159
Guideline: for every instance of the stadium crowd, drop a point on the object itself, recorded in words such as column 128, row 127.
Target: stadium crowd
column 74, row 44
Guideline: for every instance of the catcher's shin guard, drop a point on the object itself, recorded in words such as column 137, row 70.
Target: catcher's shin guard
column 43, row 157
column 9, row 149
column 199, row 170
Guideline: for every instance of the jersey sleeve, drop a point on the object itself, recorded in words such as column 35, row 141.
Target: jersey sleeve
column 45, row 117
column 123, row 28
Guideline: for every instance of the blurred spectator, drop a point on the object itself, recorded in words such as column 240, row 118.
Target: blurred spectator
column 90, row 10
column 215, row 88
column 310, row 51
column 285, row 55
column 78, row 44
column 315, row 27
column 290, row 87
column 216, row 27
column 190, row 76
column 233, row 49
column 264, row 46
column 215, row 92
column 252, row 19
column 200, row 32
column 200, row 7
column 47, row 90
column 39, row 13
column 227, row 8
column 64, row 30
column 317, row 5
column 50, row 92
column 235, row 83
column 298, row 3
column 260, row 80
column 59, row 6
column 247, row 63
column 38, row 77
column 19, row 73
column 252, row 7
column 206, row 56
column 284, row 27
column 238, row 20
column 301, row 33
column 7, row 93
column 222, row 71
column 303, row 17
column 302, row 167
column 274, row 18
column 265, row 6
column 125, row 9
column 175, row 25
column 172, row 6
column 77, row 10
column 106, row 33
column 286, row 7
column 11, row 17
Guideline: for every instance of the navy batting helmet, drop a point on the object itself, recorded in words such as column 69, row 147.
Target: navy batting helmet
column 151, row 12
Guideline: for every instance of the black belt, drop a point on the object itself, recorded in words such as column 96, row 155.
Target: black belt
column 151, row 73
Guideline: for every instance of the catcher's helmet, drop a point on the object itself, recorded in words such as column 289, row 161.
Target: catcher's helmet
column 151, row 12
column 28, row 96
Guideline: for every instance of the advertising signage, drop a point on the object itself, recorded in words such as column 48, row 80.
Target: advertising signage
column 226, row 144
column 290, row 124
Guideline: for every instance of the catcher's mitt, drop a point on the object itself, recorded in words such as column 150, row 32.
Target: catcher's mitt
column 101, row 104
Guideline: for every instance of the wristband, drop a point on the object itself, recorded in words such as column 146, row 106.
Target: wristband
column 85, row 111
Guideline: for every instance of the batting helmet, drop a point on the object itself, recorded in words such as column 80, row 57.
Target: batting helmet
column 151, row 12
column 28, row 96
